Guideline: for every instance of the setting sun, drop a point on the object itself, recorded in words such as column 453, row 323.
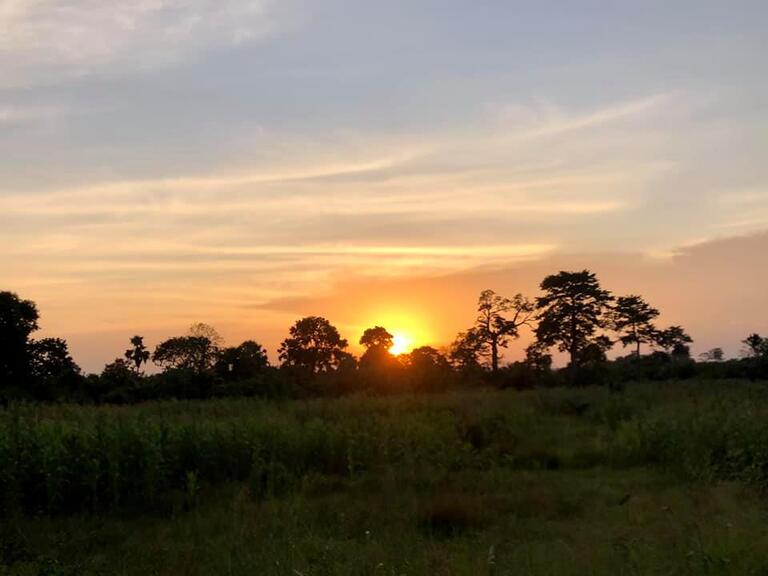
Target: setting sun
column 401, row 343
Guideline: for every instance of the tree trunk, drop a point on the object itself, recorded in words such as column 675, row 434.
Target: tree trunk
column 494, row 356
column 574, row 352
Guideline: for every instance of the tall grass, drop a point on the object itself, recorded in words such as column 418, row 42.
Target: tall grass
column 161, row 456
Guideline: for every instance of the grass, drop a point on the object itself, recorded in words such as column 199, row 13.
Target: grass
column 658, row 479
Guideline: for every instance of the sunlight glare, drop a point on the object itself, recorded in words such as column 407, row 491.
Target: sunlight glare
column 401, row 343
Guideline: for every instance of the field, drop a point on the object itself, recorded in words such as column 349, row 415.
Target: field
column 655, row 479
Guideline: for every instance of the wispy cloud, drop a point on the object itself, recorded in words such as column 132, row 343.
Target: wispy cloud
column 45, row 39
column 545, row 119
column 746, row 196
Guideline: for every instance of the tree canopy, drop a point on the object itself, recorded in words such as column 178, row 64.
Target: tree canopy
column 314, row 344
column 498, row 321
column 632, row 317
column 571, row 311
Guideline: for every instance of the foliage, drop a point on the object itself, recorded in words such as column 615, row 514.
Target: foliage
column 54, row 373
column 137, row 354
column 498, row 320
column 314, row 344
column 18, row 319
column 195, row 353
column 674, row 341
column 242, row 362
column 713, row 355
column 571, row 311
column 756, row 346
column 632, row 317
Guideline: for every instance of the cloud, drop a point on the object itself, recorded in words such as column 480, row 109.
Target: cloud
column 44, row 39
column 12, row 115
column 549, row 120
column 748, row 196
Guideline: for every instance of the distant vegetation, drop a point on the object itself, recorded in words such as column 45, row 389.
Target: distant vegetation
column 574, row 315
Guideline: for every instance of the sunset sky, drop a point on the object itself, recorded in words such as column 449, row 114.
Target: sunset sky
column 244, row 163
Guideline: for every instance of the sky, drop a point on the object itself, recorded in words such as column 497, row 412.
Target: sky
column 244, row 163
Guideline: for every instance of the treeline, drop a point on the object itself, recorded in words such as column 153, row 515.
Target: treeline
column 573, row 315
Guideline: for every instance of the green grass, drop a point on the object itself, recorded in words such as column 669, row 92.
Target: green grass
column 657, row 479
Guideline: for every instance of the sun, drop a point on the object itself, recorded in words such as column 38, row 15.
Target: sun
column 401, row 343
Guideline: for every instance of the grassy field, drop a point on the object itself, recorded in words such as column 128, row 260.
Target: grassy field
column 657, row 479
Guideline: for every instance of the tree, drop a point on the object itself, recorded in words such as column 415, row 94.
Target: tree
column 54, row 373
column 377, row 342
column 376, row 337
column 571, row 311
column 245, row 361
column 314, row 344
column 138, row 354
column 498, row 320
column 187, row 352
column 427, row 368
column 674, row 341
column 203, row 330
column 537, row 358
column 632, row 318
column 50, row 359
column 18, row 319
column 756, row 346
column 118, row 383
column 713, row 355
column 465, row 351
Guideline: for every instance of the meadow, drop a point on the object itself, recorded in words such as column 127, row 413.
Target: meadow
column 657, row 478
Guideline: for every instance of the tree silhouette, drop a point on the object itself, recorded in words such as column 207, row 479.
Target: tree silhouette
column 203, row 330
column 186, row 352
column 571, row 311
column 537, row 358
column 713, row 355
column 53, row 369
column 427, row 368
column 498, row 321
column 18, row 319
column 632, row 318
column 138, row 354
column 378, row 337
column 756, row 346
column 241, row 362
column 314, row 344
column 377, row 342
column 50, row 358
column 465, row 351
column 673, row 341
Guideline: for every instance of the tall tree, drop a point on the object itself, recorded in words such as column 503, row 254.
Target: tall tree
column 18, row 319
column 313, row 344
column 137, row 354
column 498, row 321
column 571, row 312
column 632, row 317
